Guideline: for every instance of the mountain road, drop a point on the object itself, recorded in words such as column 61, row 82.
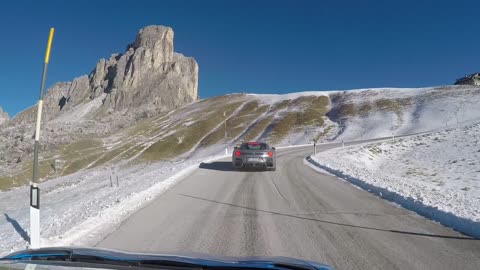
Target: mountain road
column 295, row 211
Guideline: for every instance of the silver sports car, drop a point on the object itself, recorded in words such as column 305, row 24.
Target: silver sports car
column 254, row 155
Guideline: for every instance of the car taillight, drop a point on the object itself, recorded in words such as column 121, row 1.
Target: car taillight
column 270, row 153
column 237, row 153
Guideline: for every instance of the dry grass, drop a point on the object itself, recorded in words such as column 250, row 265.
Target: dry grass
column 25, row 176
column 347, row 110
column 118, row 152
column 396, row 106
column 365, row 109
column 281, row 127
column 86, row 151
column 257, row 129
column 186, row 137
column 144, row 126
column 322, row 134
column 237, row 124
column 280, row 105
column 205, row 115
column 314, row 109
column 79, row 154
column 75, row 155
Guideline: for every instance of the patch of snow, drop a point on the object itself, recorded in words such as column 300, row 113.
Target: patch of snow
column 293, row 146
column 385, row 92
column 430, row 109
column 435, row 174
column 191, row 152
column 82, row 208
column 270, row 99
column 188, row 123
column 423, row 109
column 81, row 111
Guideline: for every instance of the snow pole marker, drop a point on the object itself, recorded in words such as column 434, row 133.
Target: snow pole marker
column 34, row 189
column 225, row 123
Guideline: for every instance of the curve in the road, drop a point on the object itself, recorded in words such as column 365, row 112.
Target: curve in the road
column 295, row 212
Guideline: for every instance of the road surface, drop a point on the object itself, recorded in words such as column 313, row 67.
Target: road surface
column 295, row 212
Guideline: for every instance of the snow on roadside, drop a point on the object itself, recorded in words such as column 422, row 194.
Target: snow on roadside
column 270, row 99
column 380, row 112
column 436, row 174
column 82, row 208
column 385, row 92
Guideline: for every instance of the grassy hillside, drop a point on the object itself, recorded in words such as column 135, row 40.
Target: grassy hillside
column 277, row 119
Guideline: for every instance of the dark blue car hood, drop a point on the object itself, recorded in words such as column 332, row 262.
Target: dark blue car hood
column 68, row 254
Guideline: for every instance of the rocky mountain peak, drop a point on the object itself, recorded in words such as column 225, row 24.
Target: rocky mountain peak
column 148, row 77
column 3, row 116
column 153, row 34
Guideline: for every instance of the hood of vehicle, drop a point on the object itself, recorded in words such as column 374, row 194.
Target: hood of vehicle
column 204, row 260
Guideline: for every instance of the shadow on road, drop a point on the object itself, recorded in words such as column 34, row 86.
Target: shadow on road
column 333, row 223
column 18, row 228
column 224, row 166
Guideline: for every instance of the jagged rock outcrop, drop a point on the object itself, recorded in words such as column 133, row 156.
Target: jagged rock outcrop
column 3, row 116
column 472, row 79
column 148, row 76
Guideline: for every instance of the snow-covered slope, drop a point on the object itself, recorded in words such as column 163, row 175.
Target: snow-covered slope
column 440, row 169
column 84, row 207
column 383, row 112
column 197, row 129
column 436, row 174
column 372, row 113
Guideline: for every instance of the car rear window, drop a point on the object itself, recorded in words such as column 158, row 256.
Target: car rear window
column 254, row 146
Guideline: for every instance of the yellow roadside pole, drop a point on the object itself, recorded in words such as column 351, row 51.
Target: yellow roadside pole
column 34, row 189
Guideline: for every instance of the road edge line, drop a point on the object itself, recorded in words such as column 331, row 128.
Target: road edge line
column 466, row 226
column 84, row 230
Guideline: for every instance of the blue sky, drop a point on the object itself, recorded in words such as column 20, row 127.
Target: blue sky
column 248, row 46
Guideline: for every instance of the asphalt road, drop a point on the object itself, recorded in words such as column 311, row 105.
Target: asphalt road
column 295, row 212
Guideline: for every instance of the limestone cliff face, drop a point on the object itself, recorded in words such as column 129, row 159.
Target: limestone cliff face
column 148, row 76
column 3, row 116
column 472, row 79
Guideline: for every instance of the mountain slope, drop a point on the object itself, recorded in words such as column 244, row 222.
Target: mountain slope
column 142, row 106
column 434, row 173
column 197, row 129
column 149, row 77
